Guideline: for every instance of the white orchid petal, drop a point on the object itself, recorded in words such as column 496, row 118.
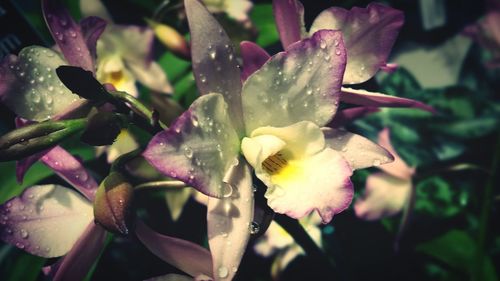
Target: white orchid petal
column 45, row 220
column 302, row 83
column 229, row 220
column 358, row 151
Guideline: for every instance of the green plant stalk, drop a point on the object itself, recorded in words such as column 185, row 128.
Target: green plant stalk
column 484, row 218
column 322, row 262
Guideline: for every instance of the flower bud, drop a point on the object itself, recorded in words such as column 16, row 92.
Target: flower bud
column 102, row 129
column 82, row 83
column 27, row 140
column 113, row 204
column 169, row 37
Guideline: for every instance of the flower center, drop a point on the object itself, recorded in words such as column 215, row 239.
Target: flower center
column 274, row 163
column 116, row 77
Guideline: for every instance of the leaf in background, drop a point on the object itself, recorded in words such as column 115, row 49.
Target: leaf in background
column 20, row 266
column 262, row 17
column 457, row 249
column 435, row 196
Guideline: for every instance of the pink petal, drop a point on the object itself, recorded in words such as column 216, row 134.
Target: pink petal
column 346, row 116
column 384, row 196
column 199, row 148
column 398, row 168
column 76, row 264
column 358, row 151
column 186, row 256
column 45, row 220
column 229, row 220
column 322, row 183
column 253, row 58
column 369, row 34
column 67, row 34
column 289, row 17
column 362, row 97
column 301, row 84
column 214, row 63
column 71, row 170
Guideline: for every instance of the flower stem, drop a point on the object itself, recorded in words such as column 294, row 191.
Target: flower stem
column 321, row 261
column 485, row 214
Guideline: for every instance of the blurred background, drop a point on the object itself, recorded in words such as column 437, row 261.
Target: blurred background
column 448, row 229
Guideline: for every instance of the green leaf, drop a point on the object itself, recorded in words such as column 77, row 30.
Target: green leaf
column 457, row 249
column 262, row 17
column 435, row 196
column 21, row 266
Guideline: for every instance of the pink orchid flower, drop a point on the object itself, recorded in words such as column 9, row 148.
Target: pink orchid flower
column 271, row 124
column 368, row 33
column 387, row 192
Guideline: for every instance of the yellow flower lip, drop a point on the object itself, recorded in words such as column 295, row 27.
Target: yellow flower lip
column 274, row 163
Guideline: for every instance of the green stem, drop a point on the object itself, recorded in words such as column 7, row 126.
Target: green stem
column 321, row 261
column 139, row 108
column 485, row 214
column 119, row 164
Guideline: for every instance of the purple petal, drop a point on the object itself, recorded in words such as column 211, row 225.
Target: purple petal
column 45, row 220
column 76, row 264
column 229, row 220
column 92, row 28
column 253, row 57
column 186, row 256
column 23, row 165
column 346, row 116
column 71, row 170
column 214, row 63
column 389, row 67
column 289, row 17
column 358, row 151
column 67, row 34
column 199, row 147
column 365, row 98
column 368, row 35
column 301, row 84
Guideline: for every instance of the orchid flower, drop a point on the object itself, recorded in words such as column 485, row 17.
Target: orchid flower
column 235, row 9
column 368, row 33
column 386, row 192
column 272, row 123
column 487, row 33
column 124, row 54
column 276, row 241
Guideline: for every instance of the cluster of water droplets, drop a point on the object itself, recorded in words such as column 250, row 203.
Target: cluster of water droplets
column 43, row 94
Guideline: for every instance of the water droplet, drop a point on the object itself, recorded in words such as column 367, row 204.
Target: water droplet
column 59, row 36
column 235, row 161
column 41, row 78
column 309, row 92
column 72, row 33
column 20, row 245
column 254, row 228
column 63, row 22
column 188, row 152
column 322, row 44
column 213, row 54
column 376, row 162
column 337, row 52
column 227, row 190
column 24, row 234
column 336, row 43
column 224, row 234
column 223, row 272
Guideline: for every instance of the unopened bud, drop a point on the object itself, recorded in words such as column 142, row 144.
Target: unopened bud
column 102, row 128
column 28, row 140
column 82, row 83
column 169, row 37
column 113, row 204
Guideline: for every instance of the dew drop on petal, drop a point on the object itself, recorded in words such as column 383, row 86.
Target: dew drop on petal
column 188, row 152
column 24, row 234
column 223, row 272
column 254, row 228
column 376, row 162
column 322, row 44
